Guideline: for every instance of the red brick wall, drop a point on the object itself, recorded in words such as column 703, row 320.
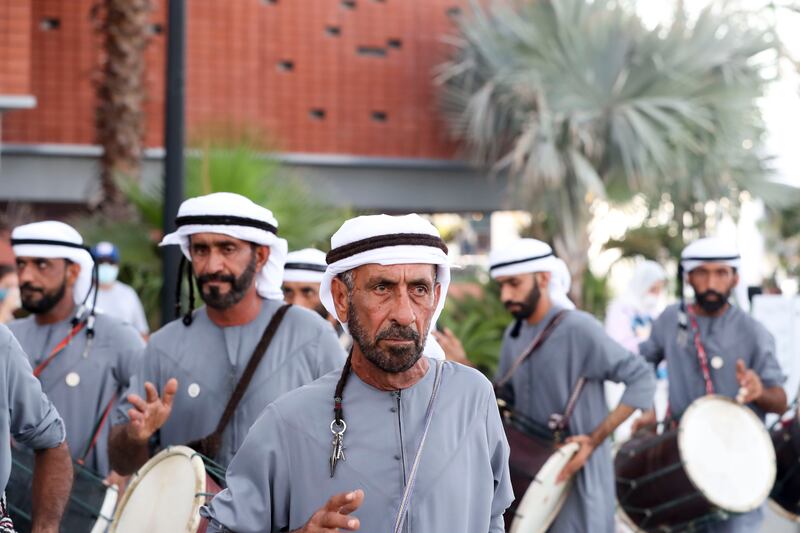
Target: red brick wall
column 15, row 47
column 233, row 74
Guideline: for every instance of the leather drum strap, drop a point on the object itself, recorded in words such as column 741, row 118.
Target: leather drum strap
column 537, row 342
column 210, row 445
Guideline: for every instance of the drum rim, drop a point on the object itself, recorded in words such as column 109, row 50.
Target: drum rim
column 200, row 487
column 779, row 510
column 562, row 498
column 765, row 436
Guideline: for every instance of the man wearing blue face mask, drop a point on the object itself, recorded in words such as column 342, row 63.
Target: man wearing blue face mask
column 116, row 298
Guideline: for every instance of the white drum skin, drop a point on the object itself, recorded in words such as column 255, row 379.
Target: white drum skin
column 164, row 495
column 544, row 498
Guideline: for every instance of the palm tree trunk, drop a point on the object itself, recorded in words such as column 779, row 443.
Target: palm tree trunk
column 120, row 91
column 571, row 239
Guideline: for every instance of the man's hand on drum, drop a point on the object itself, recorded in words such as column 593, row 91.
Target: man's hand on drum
column 335, row 514
column 646, row 422
column 579, row 459
column 751, row 387
column 120, row 481
column 148, row 415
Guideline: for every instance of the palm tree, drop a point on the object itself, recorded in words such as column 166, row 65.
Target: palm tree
column 123, row 26
column 579, row 100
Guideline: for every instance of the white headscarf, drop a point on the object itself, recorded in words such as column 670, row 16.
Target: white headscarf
column 238, row 217
column 710, row 250
column 560, row 284
column 645, row 275
column 526, row 256
column 305, row 266
column 398, row 247
column 41, row 239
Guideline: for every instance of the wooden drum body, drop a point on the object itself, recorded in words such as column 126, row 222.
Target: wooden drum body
column 719, row 460
column 785, row 495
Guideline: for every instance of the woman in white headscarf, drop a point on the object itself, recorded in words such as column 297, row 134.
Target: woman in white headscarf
column 629, row 319
column 630, row 316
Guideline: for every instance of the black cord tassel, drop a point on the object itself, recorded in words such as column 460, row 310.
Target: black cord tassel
column 188, row 317
column 178, row 286
column 516, row 329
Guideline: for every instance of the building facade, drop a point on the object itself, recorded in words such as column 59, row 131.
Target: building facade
column 342, row 89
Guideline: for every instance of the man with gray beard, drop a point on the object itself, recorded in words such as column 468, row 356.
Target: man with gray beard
column 394, row 442
column 193, row 366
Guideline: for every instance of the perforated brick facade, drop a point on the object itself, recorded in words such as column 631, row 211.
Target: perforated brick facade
column 321, row 76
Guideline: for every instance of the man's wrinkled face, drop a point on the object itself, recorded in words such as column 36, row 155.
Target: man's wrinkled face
column 712, row 284
column 225, row 267
column 388, row 311
column 521, row 293
column 305, row 294
column 43, row 282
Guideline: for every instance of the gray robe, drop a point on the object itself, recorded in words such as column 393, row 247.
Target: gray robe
column 26, row 414
column 208, row 360
column 734, row 335
column 82, row 387
column 578, row 347
column 280, row 476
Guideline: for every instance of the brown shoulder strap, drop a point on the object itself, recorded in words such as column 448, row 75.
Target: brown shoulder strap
column 210, row 444
column 532, row 347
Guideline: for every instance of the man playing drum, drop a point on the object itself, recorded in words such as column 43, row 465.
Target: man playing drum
column 577, row 350
column 192, row 366
column 396, row 440
column 712, row 347
column 83, row 361
column 28, row 416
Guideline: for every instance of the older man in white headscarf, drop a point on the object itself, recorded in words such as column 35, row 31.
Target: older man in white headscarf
column 574, row 359
column 411, row 443
column 244, row 334
column 83, row 360
column 713, row 347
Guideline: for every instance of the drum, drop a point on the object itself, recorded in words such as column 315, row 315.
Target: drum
column 165, row 494
column 785, row 496
column 533, row 451
column 544, row 498
column 90, row 506
column 719, row 460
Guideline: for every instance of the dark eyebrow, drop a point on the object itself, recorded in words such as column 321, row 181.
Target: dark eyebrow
column 371, row 282
column 421, row 281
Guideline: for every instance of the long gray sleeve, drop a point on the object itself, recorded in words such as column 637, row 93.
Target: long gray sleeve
column 608, row 360
column 503, row 493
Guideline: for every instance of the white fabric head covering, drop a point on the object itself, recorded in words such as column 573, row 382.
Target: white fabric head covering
column 645, row 275
column 305, row 266
column 527, row 256
column 238, row 217
column 73, row 249
column 710, row 250
column 560, row 284
column 372, row 226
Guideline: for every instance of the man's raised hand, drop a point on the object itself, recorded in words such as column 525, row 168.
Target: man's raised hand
column 148, row 415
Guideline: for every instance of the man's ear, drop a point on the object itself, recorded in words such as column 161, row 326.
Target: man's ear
column 341, row 298
column 437, row 293
column 73, row 271
column 543, row 280
column 262, row 256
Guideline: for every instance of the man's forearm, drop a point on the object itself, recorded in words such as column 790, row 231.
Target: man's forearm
column 125, row 454
column 772, row 400
column 52, row 481
column 611, row 422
